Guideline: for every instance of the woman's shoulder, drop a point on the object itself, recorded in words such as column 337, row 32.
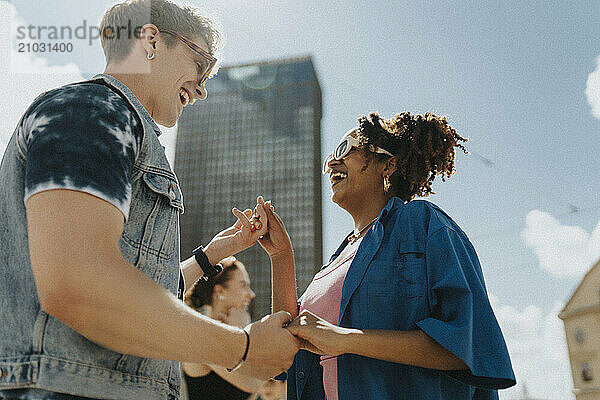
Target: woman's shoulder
column 422, row 216
column 413, row 211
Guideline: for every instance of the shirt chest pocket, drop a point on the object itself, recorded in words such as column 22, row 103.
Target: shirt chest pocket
column 404, row 270
column 151, row 233
column 396, row 287
column 413, row 274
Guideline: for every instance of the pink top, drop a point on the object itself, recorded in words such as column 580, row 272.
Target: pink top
column 322, row 297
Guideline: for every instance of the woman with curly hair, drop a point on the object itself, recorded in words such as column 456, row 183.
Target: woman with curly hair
column 225, row 297
column 401, row 310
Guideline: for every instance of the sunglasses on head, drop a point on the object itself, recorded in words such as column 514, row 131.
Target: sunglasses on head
column 208, row 60
column 348, row 143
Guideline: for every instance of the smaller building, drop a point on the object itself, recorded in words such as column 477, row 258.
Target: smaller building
column 581, row 317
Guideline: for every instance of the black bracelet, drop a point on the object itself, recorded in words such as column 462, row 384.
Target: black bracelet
column 238, row 365
column 210, row 271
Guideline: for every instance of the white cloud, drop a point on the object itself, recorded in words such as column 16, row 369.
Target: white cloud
column 592, row 89
column 563, row 251
column 23, row 76
column 538, row 351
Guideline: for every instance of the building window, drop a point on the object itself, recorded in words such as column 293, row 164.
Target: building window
column 586, row 371
column 580, row 336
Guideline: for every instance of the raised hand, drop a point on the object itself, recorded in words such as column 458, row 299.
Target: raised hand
column 319, row 336
column 276, row 240
column 272, row 347
column 241, row 235
column 249, row 228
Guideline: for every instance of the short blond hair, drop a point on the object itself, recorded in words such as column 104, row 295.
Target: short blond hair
column 121, row 23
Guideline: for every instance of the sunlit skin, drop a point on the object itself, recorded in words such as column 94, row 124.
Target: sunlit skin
column 158, row 82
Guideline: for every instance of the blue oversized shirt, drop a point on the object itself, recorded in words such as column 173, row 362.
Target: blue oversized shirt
column 415, row 269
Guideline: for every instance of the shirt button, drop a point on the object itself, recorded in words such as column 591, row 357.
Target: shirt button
column 171, row 192
column 301, row 375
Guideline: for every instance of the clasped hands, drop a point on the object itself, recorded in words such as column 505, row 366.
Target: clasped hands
column 276, row 338
column 260, row 225
column 263, row 225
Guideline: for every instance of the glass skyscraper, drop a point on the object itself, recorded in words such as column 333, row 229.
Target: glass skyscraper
column 258, row 133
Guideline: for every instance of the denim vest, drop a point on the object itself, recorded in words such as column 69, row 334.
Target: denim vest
column 37, row 350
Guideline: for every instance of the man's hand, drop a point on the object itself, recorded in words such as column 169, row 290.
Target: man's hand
column 319, row 336
column 238, row 237
column 272, row 347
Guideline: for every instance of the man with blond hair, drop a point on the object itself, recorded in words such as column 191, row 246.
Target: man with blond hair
column 90, row 228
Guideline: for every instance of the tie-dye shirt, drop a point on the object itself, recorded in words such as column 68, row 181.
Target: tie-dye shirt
column 82, row 137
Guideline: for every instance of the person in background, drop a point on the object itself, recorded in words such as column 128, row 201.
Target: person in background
column 401, row 310
column 225, row 298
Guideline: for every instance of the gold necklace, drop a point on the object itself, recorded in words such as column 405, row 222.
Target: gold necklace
column 354, row 236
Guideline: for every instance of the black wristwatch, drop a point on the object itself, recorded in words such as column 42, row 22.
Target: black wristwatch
column 210, row 271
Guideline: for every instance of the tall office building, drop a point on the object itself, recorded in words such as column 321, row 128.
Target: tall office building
column 258, row 133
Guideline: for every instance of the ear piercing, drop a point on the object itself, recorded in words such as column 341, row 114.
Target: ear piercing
column 386, row 183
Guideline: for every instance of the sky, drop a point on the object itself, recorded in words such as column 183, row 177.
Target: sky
column 520, row 79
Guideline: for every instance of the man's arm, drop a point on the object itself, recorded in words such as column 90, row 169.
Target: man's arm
column 191, row 272
column 83, row 280
column 239, row 318
column 225, row 243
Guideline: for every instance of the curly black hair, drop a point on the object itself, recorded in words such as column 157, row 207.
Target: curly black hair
column 200, row 294
column 424, row 145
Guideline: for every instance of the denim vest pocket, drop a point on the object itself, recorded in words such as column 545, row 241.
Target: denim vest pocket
column 150, row 236
column 166, row 186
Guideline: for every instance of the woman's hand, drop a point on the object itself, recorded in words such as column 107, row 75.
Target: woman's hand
column 319, row 336
column 276, row 241
column 404, row 347
column 238, row 237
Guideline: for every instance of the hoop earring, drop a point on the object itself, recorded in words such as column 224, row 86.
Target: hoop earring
column 150, row 57
column 386, row 183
